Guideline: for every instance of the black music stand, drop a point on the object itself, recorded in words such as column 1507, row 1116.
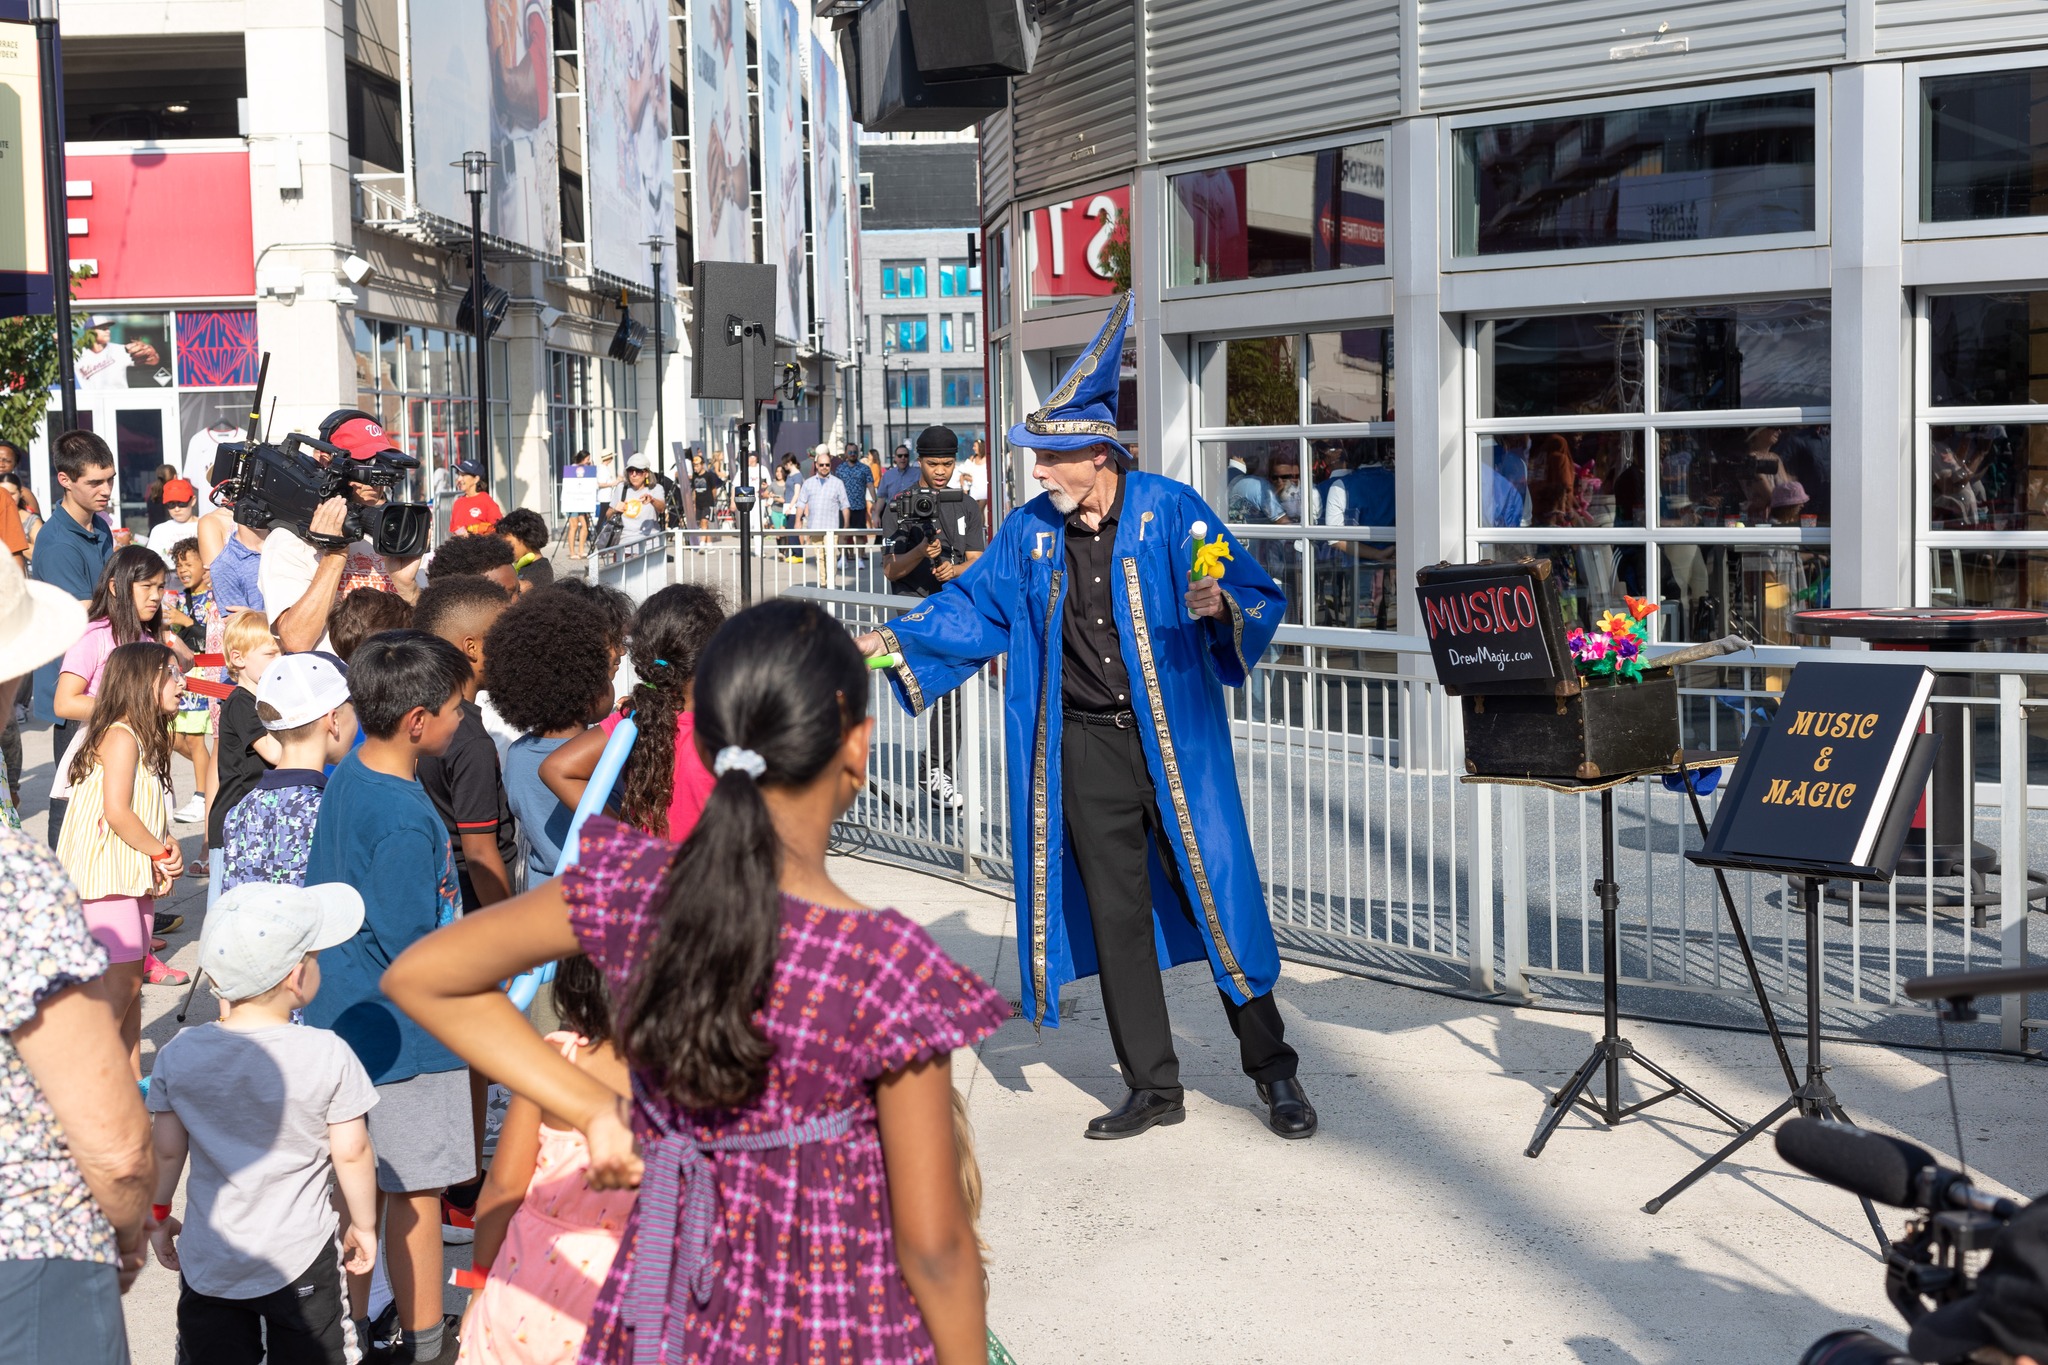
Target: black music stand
column 1812, row 1097
column 1613, row 1049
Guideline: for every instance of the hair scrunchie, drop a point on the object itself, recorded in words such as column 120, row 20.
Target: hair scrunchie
column 746, row 760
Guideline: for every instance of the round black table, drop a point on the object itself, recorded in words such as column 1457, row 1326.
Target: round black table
column 1926, row 628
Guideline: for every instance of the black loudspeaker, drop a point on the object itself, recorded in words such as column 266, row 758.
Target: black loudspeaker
column 497, row 303
column 964, row 40
column 889, row 93
column 628, row 339
column 735, row 309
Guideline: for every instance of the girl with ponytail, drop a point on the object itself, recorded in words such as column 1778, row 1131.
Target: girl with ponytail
column 790, row 1049
column 665, row 782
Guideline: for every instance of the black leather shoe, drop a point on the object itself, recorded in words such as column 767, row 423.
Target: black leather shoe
column 1289, row 1112
column 1140, row 1110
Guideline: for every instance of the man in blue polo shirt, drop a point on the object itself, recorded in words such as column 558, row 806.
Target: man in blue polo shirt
column 71, row 551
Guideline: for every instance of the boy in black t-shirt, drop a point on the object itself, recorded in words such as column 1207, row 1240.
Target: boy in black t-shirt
column 244, row 750
column 465, row 783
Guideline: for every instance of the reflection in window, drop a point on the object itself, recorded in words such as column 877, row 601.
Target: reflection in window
column 1261, row 480
column 903, row 279
column 1662, row 173
column 920, row 388
column 1565, row 480
column 1987, row 478
column 1745, row 476
column 1709, row 591
column 1552, row 366
column 961, row 388
column 1259, row 384
column 2009, row 579
column 1351, row 375
column 956, row 281
column 1984, row 146
column 1286, row 215
column 907, row 334
column 1744, row 355
column 1982, row 347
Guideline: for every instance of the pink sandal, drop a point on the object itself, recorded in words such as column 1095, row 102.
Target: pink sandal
column 158, row 973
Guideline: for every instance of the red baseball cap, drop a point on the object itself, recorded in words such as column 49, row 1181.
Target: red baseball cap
column 179, row 490
column 363, row 439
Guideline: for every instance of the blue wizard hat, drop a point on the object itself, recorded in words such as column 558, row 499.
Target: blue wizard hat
column 1081, row 412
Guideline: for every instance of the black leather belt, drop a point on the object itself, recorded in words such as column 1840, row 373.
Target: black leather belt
column 1115, row 720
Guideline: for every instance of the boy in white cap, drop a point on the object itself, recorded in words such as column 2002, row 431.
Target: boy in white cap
column 268, row 1111
column 302, row 700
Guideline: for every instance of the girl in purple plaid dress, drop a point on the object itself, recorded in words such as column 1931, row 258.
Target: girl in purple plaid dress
column 791, row 1128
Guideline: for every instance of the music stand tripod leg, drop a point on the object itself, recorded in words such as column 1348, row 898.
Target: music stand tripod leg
column 1561, row 1103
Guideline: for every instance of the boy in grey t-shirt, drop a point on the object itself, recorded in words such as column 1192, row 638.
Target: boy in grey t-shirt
column 268, row 1112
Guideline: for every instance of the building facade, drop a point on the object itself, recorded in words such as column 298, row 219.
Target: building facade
column 252, row 177
column 1731, row 307
column 921, row 337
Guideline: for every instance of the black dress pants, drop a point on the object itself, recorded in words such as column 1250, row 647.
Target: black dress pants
column 1112, row 813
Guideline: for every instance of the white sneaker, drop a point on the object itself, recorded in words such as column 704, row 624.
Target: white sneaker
column 193, row 812
column 943, row 791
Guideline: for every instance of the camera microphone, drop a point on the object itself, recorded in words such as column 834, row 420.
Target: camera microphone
column 1881, row 1168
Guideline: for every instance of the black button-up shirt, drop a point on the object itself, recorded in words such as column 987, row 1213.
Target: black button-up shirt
column 1092, row 662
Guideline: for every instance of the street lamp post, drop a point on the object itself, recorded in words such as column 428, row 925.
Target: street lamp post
column 476, row 179
column 58, row 210
column 888, row 409
column 905, row 387
column 654, row 247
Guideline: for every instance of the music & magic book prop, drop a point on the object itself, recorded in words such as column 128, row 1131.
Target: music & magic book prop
column 1829, row 787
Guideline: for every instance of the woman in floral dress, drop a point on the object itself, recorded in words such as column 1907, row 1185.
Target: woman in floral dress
column 791, row 1049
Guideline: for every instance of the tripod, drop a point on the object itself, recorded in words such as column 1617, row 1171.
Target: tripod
column 1613, row 1049
column 1814, row 1097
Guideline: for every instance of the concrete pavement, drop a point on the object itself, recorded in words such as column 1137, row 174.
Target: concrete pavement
column 1411, row 1228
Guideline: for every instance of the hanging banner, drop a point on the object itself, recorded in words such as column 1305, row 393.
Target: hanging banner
column 828, row 202
column 720, row 199
column 483, row 79
column 24, row 209
column 631, row 175
column 782, row 165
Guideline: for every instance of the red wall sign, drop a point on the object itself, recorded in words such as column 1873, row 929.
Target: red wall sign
column 164, row 225
column 1069, row 245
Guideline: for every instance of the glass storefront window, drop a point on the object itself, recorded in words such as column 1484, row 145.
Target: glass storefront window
column 1642, row 495
column 1983, row 349
column 1079, row 249
column 1351, row 375
column 1252, row 382
column 998, row 267
column 1991, row 477
column 420, row 388
column 1286, row 215
column 1261, row 480
column 1984, row 146
column 1661, row 173
column 1556, row 365
column 2003, row 578
column 1713, row 357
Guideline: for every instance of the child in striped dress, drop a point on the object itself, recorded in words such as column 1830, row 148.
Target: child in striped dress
column 116, row 843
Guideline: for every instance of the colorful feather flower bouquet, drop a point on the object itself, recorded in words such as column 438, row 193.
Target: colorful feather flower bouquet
column 1614, row 648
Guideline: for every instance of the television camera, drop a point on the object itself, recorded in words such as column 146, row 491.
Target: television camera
column 284, row 483
column 917, row 521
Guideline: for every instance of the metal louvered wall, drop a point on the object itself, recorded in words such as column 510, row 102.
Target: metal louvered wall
column 998, row 160
column 1075, row 117
column 1478, row 53
column 1905, row 27
column 1242, row 73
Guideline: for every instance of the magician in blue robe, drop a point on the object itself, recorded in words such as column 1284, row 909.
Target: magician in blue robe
column 1133, row 853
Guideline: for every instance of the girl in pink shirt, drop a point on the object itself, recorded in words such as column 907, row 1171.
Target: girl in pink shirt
column 665, row 783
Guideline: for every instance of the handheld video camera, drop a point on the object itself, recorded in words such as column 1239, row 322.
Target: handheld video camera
column 917, row 521
column 284, row 484
column 1936, row 1263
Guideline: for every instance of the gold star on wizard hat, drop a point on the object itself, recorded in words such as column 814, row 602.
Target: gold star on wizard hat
column 1082, row 411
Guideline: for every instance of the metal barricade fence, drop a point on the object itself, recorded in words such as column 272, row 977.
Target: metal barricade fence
column 1373, row 853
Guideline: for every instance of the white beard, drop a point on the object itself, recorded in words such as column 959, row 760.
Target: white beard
column 1063, row 503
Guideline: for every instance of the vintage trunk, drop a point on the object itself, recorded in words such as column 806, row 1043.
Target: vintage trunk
column 1605, row 730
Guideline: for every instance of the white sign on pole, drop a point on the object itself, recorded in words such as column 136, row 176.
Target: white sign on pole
column 579, row 490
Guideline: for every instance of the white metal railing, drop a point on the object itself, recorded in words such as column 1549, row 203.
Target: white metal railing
column 1349, row 756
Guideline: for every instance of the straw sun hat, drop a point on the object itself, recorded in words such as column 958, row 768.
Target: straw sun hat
column 38, row 622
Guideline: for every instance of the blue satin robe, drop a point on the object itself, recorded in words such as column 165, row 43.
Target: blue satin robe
column 1010, row 602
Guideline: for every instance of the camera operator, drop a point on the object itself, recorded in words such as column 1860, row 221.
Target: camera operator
column 921, row 555
column 301, row 583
